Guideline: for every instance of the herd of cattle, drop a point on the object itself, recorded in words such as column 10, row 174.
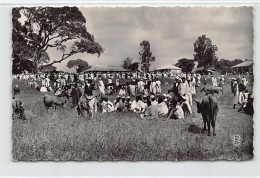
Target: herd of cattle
column 208, row 107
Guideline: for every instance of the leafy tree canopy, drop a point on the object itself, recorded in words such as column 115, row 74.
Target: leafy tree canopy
column 186, row 65
column 146, row 56
column 79, row 64
column 205, row 52
column 128, row 63
column 41, row 28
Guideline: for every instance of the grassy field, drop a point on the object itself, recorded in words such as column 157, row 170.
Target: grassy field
column 124, row 136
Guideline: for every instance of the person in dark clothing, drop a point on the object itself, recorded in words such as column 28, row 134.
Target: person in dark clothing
column 75, row 94
column 88, row 91
column 75, row 78
column 249, row 108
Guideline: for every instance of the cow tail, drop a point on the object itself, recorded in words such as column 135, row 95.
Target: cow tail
column 44, row 99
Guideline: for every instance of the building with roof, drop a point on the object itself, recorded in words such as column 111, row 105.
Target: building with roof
column 202, row 70
column 244, row 67
column 168, row 68
column 106, row 68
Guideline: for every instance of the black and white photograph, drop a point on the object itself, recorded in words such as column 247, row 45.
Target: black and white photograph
column 132, row 83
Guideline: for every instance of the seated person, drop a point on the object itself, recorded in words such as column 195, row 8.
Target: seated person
column 127, row 103
column 43, row 89
column 154, row 102
column 118, row 104
column 107, row 106
column 138, row 106
column 162, row 107
column 176, row 111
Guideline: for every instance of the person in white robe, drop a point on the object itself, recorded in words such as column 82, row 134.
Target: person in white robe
column 101, row 87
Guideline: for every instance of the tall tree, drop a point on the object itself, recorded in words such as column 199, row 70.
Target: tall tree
column 126, row 63
column 186, row 65
column 146, row 56
column 62, row 28
column 205, row 52
column 79, row 64
column 224, row 65
column 48, row 68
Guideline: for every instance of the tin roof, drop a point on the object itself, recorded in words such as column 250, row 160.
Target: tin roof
column 244, row 64
column 169, row 66
column 106, row 68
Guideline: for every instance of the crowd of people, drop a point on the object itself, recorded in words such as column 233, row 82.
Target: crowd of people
column 137, row 92
column 242, row 97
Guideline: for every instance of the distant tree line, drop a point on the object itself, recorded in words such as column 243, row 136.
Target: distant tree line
column 205, row 56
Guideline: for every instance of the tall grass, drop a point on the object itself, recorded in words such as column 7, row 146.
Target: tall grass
column 63, row 135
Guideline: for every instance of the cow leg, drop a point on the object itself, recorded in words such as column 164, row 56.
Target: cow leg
column 90, row 115
column 208, row 123
column 213, row 127
column 204, row 121
column 78, row 109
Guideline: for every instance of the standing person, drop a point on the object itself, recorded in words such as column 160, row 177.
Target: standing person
column 117, row 85
column 75, row 78
column 158, row 86
column 244, row 81
column 153, row 87
column 75, row 94
column 205, row 80
column 101, row 87
column 63, row 82
column 140, row 86
column 184, row 92
column 88, row 94
column 236, row 94
column 132, row 88
column 214, row 82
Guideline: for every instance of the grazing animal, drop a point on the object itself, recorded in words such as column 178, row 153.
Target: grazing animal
column 87, row 104
column 52, row 101
column 18, row 110
column 212, row 90
column 16, row 89
column 62, row 93
column 208, row 108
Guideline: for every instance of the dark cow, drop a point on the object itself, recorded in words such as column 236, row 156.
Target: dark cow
column 208, row 108
column 52, row 101
column 212, row 90
column 18, row 110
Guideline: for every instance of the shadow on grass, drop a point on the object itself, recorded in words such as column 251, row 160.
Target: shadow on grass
column 194, row 129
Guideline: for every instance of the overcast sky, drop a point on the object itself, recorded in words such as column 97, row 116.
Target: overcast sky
column 170, row 31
